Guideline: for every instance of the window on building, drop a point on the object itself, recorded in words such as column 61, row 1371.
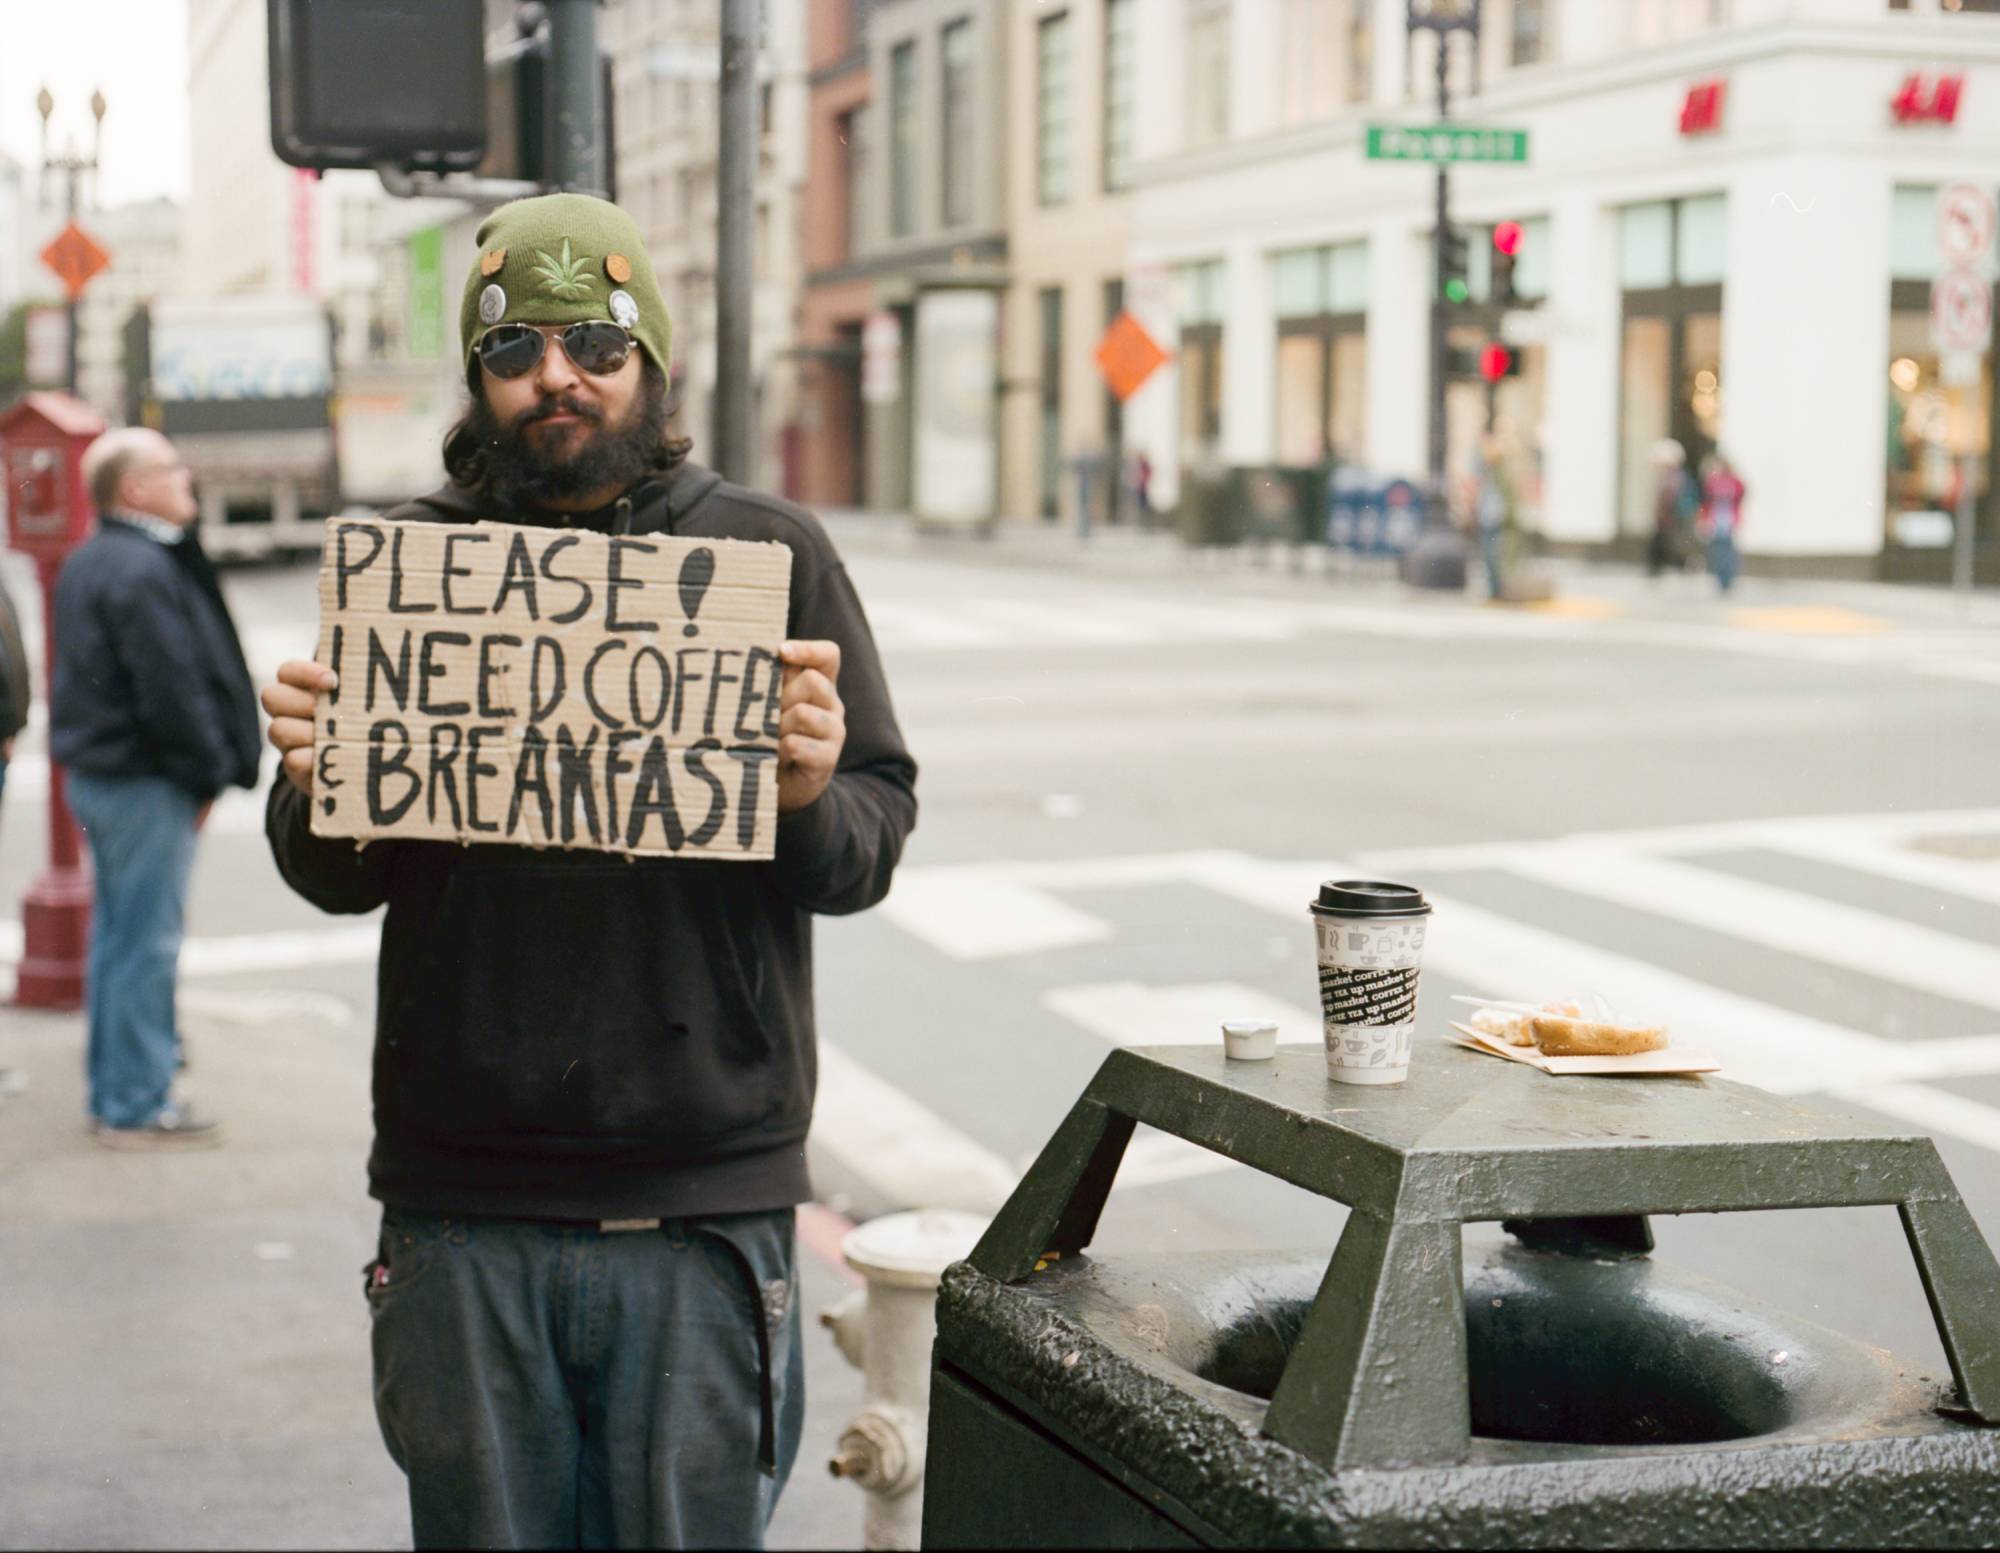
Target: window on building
column 958, row 122
column 1671, row 260
column 1360, row 51
column 853, row 176
column 1120, row 91
column 1311, row 83
column 1053, row 117
column 1528, row 32
column 1050, row 305
column 1320, row 296
column 903, row 140
column 1206, row 94
column 1198, row 298
column 1934, row 414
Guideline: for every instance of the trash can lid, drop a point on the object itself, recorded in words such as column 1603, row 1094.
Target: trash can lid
column 912, row 1249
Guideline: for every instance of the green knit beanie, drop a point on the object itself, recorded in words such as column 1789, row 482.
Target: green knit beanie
column 561, row 259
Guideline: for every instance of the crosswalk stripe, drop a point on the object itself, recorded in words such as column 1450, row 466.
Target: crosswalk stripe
column 1953, row 876
column 1079, row 622
column 1131, row 1013
column 1933, row 1111
column 968, row 914
column 1827, row 931
column 903, row 1150
column 896, row 623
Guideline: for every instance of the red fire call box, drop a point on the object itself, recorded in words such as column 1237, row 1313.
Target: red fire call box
column 42, row 438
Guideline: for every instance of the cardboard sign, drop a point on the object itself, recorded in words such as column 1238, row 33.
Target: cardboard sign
column 545, row 687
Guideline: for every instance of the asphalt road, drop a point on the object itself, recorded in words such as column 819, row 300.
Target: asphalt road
column 1770, row 823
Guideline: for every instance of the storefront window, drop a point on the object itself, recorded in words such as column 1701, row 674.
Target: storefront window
column 1701, row 233
column 1931, row 426
column 1198, row 302
column 1320, row 296
column 1672, row 257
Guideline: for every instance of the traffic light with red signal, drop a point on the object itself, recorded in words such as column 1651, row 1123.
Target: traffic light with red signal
column 1507, row 236
column 1497, row 361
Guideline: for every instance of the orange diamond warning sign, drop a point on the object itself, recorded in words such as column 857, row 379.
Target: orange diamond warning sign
column 76, row 259
column 1128, row 355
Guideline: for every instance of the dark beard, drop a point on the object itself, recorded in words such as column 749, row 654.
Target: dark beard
column 517, row 475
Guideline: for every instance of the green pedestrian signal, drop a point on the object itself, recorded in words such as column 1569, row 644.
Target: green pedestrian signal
column 1453, row 284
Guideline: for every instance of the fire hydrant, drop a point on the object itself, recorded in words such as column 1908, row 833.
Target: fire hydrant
column 886, row 1330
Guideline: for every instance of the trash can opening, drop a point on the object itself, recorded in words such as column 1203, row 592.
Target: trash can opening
column 1557, row 1362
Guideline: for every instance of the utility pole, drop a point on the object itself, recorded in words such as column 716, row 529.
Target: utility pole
column 1440, row 238
column 72, row 164
column 576, row 146
column 735, row 239
column 1437, row 558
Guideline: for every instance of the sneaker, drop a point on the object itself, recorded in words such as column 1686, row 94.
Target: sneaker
column 176, row 1127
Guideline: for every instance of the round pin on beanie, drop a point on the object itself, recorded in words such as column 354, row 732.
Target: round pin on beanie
column 564, row 259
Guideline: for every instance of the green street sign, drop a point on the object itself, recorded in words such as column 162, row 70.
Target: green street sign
column 1445, row 143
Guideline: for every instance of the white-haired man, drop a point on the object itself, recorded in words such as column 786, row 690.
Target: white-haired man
column 152, row 714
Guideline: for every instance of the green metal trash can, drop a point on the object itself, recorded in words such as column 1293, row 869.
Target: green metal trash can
column 1566, row 1391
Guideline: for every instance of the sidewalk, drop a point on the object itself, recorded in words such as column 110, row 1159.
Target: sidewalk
column 185, row 1352
column 1607, row 588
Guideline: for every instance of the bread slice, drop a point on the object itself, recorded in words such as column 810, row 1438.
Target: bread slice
column 1556, row 1036
column 1513, row 1028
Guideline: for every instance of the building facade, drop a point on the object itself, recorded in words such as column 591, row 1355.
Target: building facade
column 836, row 296
column 665, row 62
column 932, row 241
column 1729, row 218
column 1072, row 114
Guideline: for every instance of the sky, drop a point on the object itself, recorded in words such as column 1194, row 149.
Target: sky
column 135, row 52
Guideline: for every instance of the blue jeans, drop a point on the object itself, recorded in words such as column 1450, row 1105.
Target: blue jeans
column 1489, row 552
column 1722, row 559
column 141, row 832
column 551, row 1385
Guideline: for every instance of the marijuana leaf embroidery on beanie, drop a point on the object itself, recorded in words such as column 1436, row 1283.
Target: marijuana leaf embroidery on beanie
column 562, row 278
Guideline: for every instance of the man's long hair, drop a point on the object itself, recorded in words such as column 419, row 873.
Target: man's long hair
column 482, row 454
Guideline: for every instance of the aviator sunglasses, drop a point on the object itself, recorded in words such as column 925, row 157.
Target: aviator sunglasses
column 515, row 350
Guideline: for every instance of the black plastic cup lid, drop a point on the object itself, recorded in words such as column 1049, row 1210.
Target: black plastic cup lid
column 1370, row 898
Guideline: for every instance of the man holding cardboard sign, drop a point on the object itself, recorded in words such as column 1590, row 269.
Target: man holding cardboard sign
column 602, row 732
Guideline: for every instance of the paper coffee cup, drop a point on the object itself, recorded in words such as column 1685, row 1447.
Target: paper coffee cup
column 1371, row 951
column 1250, row 1040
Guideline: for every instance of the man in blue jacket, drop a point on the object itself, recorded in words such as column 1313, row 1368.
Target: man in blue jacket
column 152, row 714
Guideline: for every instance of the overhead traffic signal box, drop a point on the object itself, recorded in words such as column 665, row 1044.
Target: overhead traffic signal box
column 401, row 82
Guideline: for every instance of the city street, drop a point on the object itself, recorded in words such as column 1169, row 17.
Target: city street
column 1771, row 824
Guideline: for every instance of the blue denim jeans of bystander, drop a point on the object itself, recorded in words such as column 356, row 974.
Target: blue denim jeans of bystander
column 141, row 832
column 561, row 1385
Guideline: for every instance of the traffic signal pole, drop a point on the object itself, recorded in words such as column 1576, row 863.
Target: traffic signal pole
column 576, row 149
column 1440, row 237
column 735, row 239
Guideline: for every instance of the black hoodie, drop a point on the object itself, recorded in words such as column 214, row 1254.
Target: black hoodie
column 577, row 1035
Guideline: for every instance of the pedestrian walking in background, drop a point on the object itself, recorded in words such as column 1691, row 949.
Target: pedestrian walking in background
column 1490, row 505
column 585, row 1300
column 1722, row 494
column 152, row 714
column 1675, row 502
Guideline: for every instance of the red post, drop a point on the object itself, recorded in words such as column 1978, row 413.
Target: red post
column 42, row 438
column 55, row 913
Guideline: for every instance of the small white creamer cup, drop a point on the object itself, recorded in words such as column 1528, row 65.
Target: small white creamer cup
column 1371, row 949
column 1250, row 1040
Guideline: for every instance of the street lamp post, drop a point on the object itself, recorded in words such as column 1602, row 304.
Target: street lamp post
column 72, row 164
